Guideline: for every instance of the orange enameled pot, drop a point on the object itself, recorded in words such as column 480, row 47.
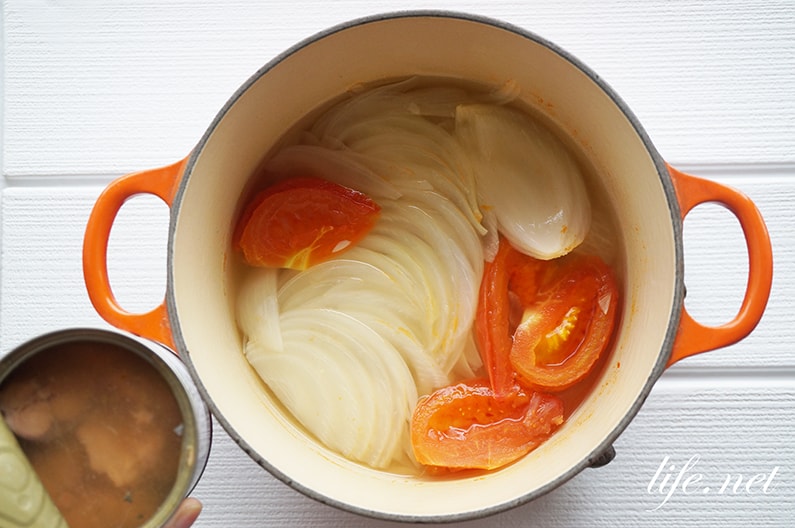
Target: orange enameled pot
column 203, row 191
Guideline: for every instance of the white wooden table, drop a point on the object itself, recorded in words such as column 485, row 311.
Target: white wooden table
column 93, row 89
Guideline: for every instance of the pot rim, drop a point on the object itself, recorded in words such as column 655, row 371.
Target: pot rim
column 595, row 457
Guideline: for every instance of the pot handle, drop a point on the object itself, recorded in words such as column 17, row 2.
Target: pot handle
column 693, row 337
column 162, row 182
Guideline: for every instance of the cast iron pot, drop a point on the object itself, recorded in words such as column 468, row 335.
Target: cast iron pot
column 204, row 192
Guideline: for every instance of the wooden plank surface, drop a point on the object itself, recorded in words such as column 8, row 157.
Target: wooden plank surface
column 94, row 89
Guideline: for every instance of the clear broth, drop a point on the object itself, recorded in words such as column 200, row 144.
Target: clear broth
column 603, row 239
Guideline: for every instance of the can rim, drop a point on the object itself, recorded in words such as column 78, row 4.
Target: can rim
column 197, row 430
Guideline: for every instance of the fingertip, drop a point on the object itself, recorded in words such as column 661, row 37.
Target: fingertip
column 187, row 513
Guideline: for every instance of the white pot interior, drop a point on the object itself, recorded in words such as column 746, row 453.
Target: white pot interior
column 200, row 288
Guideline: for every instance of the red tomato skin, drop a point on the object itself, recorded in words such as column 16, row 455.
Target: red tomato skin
column 492, row 321
column 465, row 426
column 299, row 222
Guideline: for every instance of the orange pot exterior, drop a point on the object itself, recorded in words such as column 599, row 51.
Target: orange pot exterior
column 161, row 182
column 693, row 337
column 649, row 198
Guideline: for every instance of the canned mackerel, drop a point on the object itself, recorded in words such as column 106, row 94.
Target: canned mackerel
column 111, row 424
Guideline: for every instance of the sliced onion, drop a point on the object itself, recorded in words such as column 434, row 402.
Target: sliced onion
column 453, row 222
column 327, row 375
column 528, row 177
column 334, row 165
column 491, row 241
column 384, row 370
column 258, row 308
column 365, row 289
column 469, row 362
column 445, row 266
column 434, row 290
column 350, row 344
column 439, row 161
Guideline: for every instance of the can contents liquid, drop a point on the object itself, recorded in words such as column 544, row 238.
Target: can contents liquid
column 101, row 428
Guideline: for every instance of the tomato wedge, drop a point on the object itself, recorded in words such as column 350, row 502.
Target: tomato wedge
column 300, row 222
column 492, row 321
column 465, row 426
column 565, row 331
column 540, row 327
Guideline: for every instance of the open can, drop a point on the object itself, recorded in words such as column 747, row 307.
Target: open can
column 111, row 424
